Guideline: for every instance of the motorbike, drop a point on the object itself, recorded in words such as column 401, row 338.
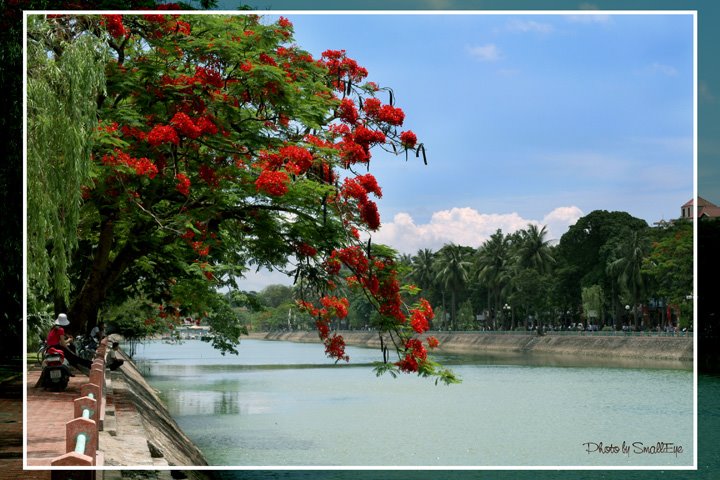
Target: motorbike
column 55, row 370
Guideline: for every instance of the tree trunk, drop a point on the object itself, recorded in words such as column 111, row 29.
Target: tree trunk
column 104, row 273
column 452, row 310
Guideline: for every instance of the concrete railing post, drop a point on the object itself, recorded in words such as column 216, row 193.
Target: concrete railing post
column 89, row 404
column 82, row 433
column 86, row 427
column 91, row 388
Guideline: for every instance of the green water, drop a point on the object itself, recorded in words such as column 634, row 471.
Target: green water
column 282, row 404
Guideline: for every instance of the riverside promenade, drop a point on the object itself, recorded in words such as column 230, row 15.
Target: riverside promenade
column 135, row 433
column 123, row 439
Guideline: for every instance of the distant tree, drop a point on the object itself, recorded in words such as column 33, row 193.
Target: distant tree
column 584, row 252
column 533, row 253
column 494, row 263
column 592, row 298
column 669, row 265
column 451, row 274
column 626, row 264
column 276, row 295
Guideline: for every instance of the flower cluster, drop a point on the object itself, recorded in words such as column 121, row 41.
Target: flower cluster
column 183, row 185
column 341, row 68
column 162, row 134
column 142, row 166
column 209, row 175
column 420, row 317
column 415, row 355
column 305, row 250
column 332, row 307
column 192, row 129
column 274, row 183
column 297, row 159
column 358, row 188
column 408, row 139
column 114, row 25
column 203, row 77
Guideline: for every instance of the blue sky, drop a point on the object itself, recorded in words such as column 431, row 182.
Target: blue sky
column 526, row 118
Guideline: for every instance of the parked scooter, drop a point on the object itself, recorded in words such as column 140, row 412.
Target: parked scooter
column 56, row 370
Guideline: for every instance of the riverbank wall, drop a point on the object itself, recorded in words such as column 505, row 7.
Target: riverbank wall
column 630, row 351
column 167, row 444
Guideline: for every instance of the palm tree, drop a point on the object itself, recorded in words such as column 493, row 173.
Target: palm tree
column 452, row 269
column 493, row 267
column 534, row 253
column 423, row 269
column 534, row 250
column 626, row 266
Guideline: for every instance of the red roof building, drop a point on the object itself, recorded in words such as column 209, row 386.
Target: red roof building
column 705, row 209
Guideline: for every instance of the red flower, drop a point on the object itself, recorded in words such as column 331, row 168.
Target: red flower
column 347, row 111
column 391, row 115
column 408, row 139
column 183, row 185
column 144, row 166
column 338, row 305
column 354, row 257
column 206, row 125
column 114, row 25
column 267, row 60
column 323, row 328
column 209, row 175
column 185, row 125
column 369, row 183
column 417, row 348
column 298, row 159
column 285, row 23
column 306, row 250
column 335, row 348
column 408, row 364
column 162, row 134
column 370, row 215
column 365, row 136
column 372, row 107
column 273, row 183
column 418, row 321
column 432, row 342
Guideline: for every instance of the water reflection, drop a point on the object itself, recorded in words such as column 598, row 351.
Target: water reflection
column 283, row 404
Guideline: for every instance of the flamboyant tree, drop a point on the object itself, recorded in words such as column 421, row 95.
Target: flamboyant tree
column 221, row 146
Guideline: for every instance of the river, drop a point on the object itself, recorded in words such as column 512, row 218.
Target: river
column 280, row 404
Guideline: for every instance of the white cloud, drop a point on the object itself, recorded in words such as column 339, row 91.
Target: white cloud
column 525, row 26
column 559, row 220
column 485, row 53
column 466, row 226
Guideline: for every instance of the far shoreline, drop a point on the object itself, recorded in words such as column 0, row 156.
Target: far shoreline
column 581, row 350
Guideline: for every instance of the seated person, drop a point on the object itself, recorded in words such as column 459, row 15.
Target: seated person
column 97, row 333
column 113, row 361
column 57, row 338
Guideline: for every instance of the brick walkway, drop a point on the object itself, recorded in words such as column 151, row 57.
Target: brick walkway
column 11, row 433
column 47, row 414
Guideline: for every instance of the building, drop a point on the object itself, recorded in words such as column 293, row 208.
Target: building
column 705, row 209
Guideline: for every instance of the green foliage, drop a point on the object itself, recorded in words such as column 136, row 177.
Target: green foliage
column 592, row 301
column 670, row 261
column 64, row 77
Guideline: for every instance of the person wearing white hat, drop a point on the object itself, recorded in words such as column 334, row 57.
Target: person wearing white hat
column 58, row 339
